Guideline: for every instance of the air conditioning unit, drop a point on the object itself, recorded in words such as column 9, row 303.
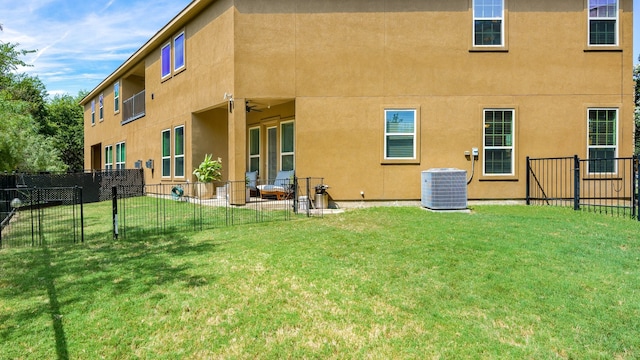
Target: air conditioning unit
column 444, row 189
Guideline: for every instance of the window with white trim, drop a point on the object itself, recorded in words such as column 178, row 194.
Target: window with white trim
column 165, row 61
column 499, row 126
column 120, row 155
column 254, row 149
column 178, row 149
column 101, row 106
column 166, row 153
column 108, row 157
column 400, row 134
column 93, row 112
column 287, row 146
column 488, row 22
column 603, row 22
column 178, row 52
column 603, row 140
column 116, row 97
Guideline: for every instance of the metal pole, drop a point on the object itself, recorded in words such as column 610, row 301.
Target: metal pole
column 81, row 216
column 114, row 204
column 528, row 182
column 576, row 182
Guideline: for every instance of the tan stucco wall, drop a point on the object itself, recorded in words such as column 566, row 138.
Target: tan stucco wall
column 334, row 66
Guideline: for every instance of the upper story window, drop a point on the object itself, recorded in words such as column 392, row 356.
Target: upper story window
column 101, row 106
column 499, row 141
column 178, row 52
column 173, row 56
column 116, row 97
column 93, row 112
column 165, row 60
column 603, row 22
column 400, row 134
column 488, row 22
column 603, row 140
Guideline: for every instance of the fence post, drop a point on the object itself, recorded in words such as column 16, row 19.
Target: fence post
column 81, row 216
column 576, row 182
column 114, row 202
column 309, row 197
column 295, row 194
column 636, row 193
column 528, row 182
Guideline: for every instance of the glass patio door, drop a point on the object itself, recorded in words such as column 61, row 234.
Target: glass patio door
column 272, row 153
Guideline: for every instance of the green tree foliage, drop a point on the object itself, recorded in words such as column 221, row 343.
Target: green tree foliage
column 65, row 119
column 22, row 148
column 636, row 79
column 27, row 137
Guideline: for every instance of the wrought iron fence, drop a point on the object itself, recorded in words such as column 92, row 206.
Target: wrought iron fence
column 96, row 184
column 36, row 216
column 162, row 208
column 608, row 186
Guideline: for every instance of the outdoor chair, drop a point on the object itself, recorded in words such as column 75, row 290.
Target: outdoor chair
column 282, row 186
column 252, row 180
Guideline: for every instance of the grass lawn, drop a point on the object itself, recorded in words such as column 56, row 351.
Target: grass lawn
column 503, row 282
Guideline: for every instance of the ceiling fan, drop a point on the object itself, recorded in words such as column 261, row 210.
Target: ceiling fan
column 250, row 107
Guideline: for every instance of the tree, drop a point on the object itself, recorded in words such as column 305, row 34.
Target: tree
column 65, row 118
column 636, row 79
column 25, row 138
column 22, row 148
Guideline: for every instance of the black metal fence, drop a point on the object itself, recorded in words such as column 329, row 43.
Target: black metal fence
column 96, row 185
column 36, row 216
column 608, row 186
column 161, row 209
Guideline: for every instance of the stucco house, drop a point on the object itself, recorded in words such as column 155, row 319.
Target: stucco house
column 369, row 93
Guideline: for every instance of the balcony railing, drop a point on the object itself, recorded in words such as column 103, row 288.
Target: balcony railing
column 133, row 108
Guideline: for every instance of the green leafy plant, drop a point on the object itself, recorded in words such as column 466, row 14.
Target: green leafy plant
column 209, row 170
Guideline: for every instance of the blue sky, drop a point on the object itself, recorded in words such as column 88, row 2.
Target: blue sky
column 79, row 43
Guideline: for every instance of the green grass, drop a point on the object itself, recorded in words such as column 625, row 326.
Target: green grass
column 502, row 282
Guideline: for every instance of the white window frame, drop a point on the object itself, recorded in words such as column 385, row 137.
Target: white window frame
column 120, row 164
column 184, row 52
column 617, row 140
column 179, row 156
column 511, row 147
column 108, row 163
column 254, row 156
column 488, row 18
column 162, row 156
column 162, row 59
column 616, row 19
column 93, row 112
column 101, row 107
column 413, row 134
column 116, row 97
column 288, row 153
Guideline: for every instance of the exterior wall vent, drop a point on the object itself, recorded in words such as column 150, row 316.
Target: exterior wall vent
column 444, row 189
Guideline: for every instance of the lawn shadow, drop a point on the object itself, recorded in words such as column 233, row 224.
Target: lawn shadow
column 69, row 275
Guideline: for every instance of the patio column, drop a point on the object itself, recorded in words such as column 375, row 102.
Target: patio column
column 237, row 153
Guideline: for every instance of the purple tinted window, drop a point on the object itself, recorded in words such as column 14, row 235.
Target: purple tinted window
column 166, row 60
column 178, row 44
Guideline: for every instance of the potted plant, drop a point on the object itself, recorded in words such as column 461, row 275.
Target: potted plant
column 207, row 172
